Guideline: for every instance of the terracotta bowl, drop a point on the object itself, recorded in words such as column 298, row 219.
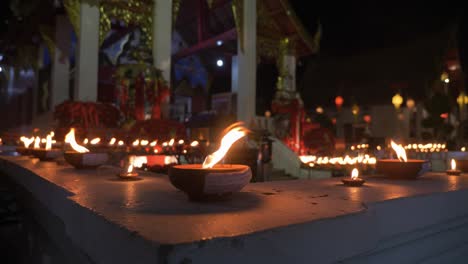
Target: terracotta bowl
column 462, row 165
column 89, row 160
column 216, row 183
column 46, row 155
column 395, row 169
column 23, row 151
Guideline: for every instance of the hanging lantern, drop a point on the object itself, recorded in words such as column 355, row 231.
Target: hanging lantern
column 339, row 101
column 367, row 119
column 397, row 100
column 410, row 103
column 355, row 109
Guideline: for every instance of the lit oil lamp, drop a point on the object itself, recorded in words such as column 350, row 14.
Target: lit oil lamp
column 129, row 173
column 25, row 151
column 400, row 168
column 81, row 157
column 354, row 181
column 453, row 170
column 210, row 181
column 48, row 153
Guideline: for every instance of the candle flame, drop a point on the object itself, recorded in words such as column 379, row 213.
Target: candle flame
column 27, row 141
column 95, row 141
column 136, row 143
column 144, row 142
column 181, row 142
column 70, row 138
column 112, row 141
column 400, row 151
column 235, row 132
column 354, row 174
column 37, row 142
column 120, row 143
column 130, row 168
column 48, row 145
column 453, row 164
column 85, row 141
column 171, row 142
column 194, row 143
column 152, row 144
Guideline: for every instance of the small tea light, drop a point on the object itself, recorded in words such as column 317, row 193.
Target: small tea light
column 453, row 170
column 129, row 173
column 354, row 181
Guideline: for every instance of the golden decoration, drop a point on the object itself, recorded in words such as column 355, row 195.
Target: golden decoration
column 47, row 34
column 73, row 10
column 238, row 13
column 175, row 11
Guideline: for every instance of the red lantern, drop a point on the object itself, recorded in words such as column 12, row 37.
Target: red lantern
column 367, row 119
column 339, row 101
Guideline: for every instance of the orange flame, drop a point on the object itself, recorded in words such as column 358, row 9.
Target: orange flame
column 144, row 142
column 70, row 138
column 181, row 142
column 354, row 174
column 136, row 143
column 120, row 143
column 85, row 141
column 171, row 142
column 453, row 164
column 152, row 144
column 400, row 151
column 27, row 141
column 95, row 141
column 194, row 143
column 48, row 145
column 235, row 132
column 130, row 168
column 112, row 141
column 37, row 142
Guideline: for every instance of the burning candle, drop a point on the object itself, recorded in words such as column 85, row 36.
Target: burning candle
column 354, row 181
column 37, row 143
column 401, row 168
column 112, row 141
column 48, row 153
column 453, row 170
column 95, row 141
column 209, row 180
column 81, row 157
column 129, row 173
column 85, row 141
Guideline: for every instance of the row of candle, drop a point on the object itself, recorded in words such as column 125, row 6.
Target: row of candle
column 312, row 160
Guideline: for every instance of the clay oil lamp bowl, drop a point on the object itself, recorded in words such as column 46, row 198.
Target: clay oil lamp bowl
column 453, row 169
column 354, row 180
column 48, row 153
column 129, row 174
column 400, row 168
column 25, row 150
column 209, row 181
column 81, row 157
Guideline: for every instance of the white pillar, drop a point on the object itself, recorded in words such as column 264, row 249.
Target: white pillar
column 60, row 62
column 162, row 43
column 247, row 65
column 87, row 57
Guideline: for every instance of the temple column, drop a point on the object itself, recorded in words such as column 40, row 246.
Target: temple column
column 87, row 57
column 246, row 65
column 60, row 61
column 162, row 43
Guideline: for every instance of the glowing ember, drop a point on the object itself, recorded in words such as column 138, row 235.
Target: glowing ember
column 354, row 174
column 453, row 164
column 27, row 141
column 48, row 145
column 144, row 142
column 85, row 141
column 400, row 151
column 236, row 132
column 194, row 143
column 70, row 138
column 95, row 141
column 112, row 141
column 37, row 142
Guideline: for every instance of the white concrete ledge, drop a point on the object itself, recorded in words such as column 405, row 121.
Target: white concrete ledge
column 301, row 221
